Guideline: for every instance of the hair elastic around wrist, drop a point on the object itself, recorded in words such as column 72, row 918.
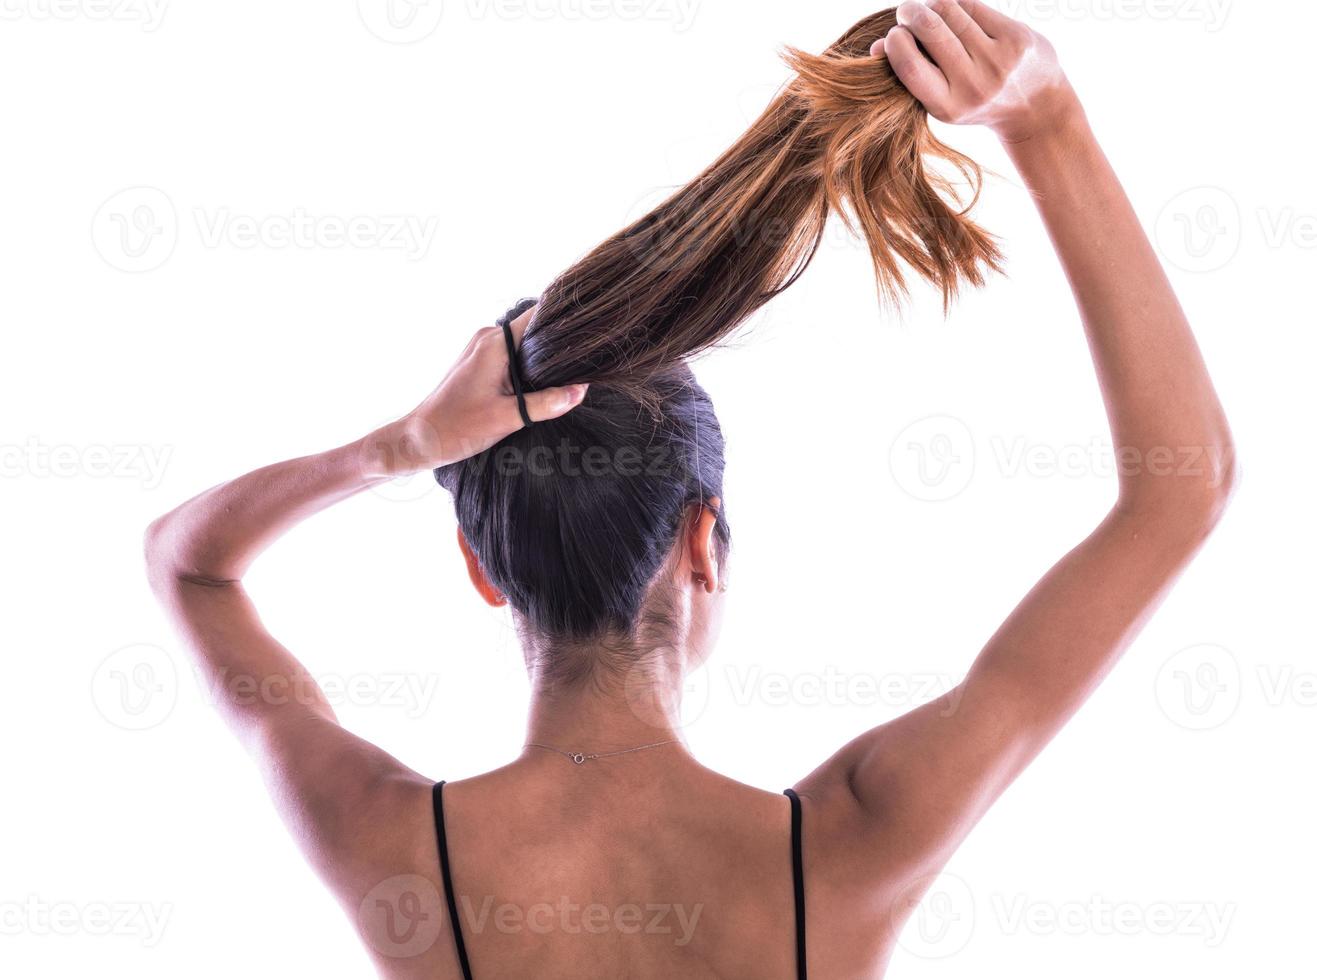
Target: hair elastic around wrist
column 514, row 369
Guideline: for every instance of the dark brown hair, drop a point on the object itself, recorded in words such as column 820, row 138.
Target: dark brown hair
column 576, row 554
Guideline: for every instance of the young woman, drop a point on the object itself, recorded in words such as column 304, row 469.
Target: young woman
column 605, row 849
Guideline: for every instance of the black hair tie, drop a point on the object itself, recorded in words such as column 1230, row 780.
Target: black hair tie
column 514, row 369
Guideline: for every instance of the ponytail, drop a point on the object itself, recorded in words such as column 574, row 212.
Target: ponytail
column 844, row 137
column 577, row 549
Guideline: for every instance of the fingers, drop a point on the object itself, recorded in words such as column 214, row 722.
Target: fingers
column 992, row 22
column 946, row 50
column 551, row 402
column 923, row 78
column 960, row 24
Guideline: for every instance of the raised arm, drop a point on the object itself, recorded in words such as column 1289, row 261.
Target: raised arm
column 923, row 780
column 326, row 782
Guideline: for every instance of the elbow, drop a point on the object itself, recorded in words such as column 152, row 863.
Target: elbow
column 1222, row 490
column 1191, row 498
column 173, row 555
column 158, row 553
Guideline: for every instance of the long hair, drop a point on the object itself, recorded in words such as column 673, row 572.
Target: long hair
column 575, row 553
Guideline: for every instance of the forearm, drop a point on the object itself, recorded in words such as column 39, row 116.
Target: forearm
column 214, row 537
column 1170, row 434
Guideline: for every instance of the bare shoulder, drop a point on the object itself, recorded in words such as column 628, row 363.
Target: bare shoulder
column 864, row 866
column 870, row 832
column 357, row 813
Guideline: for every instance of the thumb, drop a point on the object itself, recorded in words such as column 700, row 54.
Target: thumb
column 553, row 402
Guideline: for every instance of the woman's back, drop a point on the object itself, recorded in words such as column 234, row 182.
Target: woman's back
column 643, row 866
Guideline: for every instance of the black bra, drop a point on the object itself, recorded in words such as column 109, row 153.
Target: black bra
column 797, row 877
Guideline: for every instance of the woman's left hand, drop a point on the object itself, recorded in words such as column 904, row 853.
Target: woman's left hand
column 472, row 409
column 970, row 64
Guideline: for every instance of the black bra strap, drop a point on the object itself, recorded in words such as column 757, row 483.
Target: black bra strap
column 442, row 836
column 798, row 880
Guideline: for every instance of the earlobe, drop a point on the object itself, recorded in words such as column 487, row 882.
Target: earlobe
column 478, row 578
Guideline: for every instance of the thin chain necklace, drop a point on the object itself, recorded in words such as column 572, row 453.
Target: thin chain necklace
column 581, row 757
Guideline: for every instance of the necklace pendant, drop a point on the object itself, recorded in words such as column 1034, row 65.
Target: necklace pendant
column 578, row 757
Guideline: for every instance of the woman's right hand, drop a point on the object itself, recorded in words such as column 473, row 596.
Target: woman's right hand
column 978, row 66
column 472, row 409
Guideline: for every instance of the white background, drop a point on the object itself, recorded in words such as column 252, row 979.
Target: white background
column 154, row 347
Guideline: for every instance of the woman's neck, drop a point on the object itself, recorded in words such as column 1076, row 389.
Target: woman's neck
column 640, row 705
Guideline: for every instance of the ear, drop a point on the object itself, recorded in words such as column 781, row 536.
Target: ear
column 700, row 546
column 478, row 578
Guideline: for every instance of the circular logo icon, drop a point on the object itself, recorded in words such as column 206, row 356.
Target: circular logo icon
column 377, row 457
column 1200, row 230
column 938, row 914
column 656, row 704
column 401, row 21
column 661, row 243
column 136, row 229
column 933, row 459
column 401, row 916
column 1200, row 687
column 136, row 687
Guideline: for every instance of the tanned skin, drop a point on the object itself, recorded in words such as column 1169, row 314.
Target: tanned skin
column 656, row 829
